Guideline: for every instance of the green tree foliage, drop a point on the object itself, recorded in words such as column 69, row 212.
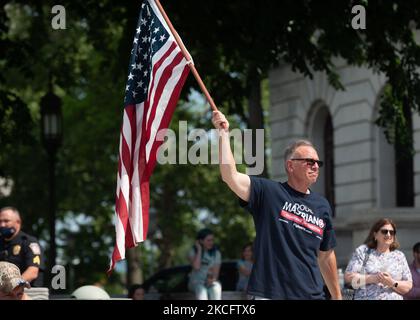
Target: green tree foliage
column 15, row 124
column 86, row 167
column 250, row 37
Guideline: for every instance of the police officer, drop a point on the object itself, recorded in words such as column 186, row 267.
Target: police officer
column 20, row 248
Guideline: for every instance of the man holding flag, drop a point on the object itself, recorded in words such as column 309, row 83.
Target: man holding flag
column 295, row 240
column 293, row 247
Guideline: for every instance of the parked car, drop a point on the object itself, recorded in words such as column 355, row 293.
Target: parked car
column 172, row 283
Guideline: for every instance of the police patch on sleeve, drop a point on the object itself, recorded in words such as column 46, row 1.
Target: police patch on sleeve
column 36, row 250
column 36, row 260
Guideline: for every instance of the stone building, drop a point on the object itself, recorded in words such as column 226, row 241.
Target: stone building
column 361, row 177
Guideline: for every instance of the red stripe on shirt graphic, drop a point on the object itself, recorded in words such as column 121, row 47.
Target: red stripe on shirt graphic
column 299, row 220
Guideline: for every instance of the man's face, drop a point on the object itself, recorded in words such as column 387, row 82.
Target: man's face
column 9, row 219
column 304, row 171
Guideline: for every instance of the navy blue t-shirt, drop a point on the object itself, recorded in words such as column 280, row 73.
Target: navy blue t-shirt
column 290, row 229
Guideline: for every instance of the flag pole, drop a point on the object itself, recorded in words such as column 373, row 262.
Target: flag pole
column 187, row 56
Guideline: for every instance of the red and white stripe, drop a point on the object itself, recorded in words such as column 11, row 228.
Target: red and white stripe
column 138, row 145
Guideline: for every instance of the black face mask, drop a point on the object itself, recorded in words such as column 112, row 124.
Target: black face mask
column 6, row 232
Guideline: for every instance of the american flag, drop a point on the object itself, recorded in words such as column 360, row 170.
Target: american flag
column 156, row 74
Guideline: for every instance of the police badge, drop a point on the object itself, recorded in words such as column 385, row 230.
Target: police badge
column 16, row 250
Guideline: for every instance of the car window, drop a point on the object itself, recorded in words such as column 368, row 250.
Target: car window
column 175, row 281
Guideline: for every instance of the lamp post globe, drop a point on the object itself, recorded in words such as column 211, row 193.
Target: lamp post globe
column 51, row 122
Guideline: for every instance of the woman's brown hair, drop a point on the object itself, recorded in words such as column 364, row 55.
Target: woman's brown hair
column 370, row 240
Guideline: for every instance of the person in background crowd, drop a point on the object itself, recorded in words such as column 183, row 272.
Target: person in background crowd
column 20, row 248
column 377, row 270
column 245, row 267
column 205, row 260
column 136, row 292
column 414, row 293
column 12, row 285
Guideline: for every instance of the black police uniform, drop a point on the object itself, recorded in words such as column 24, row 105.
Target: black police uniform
column 23, row 251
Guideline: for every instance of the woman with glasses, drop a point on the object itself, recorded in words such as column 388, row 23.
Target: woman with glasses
column 377, row 270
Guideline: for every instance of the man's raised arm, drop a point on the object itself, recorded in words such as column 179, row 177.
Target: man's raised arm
column 238, row 182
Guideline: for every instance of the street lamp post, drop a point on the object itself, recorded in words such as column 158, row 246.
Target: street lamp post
column 51, row 130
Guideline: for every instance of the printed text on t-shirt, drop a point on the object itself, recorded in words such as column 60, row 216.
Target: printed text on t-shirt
column 303, row 216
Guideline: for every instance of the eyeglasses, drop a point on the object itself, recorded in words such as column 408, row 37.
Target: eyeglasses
column 386, row 231
column 310, row 162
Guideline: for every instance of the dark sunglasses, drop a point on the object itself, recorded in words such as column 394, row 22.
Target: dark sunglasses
column 386, row 231
column 309, row 161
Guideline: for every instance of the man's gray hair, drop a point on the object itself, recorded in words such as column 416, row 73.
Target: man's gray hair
column 290, row 150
